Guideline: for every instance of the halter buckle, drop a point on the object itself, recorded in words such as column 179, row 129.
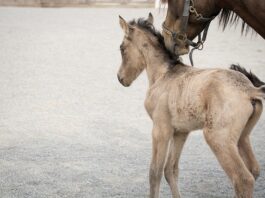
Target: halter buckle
column 182, row 37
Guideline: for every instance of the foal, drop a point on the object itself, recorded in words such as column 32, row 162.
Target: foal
column 181, row 99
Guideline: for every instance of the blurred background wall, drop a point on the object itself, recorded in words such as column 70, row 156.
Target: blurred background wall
column 79, row 3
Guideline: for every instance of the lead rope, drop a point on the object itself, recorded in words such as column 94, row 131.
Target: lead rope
column 200, row 42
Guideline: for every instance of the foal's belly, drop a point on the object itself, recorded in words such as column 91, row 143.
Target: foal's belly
column 187, row 118
column 186, row 125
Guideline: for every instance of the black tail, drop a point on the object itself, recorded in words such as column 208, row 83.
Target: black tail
column 252, row 77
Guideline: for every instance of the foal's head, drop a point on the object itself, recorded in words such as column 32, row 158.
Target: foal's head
column 142, row 47
column 133, row 60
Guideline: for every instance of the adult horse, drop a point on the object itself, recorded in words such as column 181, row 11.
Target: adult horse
column 186, row 19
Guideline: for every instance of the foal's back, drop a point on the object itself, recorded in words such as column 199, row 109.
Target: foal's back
column 193, row 95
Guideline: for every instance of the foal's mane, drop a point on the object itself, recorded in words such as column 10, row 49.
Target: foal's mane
column 148, row 27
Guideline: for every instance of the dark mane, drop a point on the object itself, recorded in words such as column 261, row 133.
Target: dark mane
column 145, row 25
column 229, row 17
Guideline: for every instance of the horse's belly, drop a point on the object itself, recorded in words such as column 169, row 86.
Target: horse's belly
column 187, row 119
column 186, row 125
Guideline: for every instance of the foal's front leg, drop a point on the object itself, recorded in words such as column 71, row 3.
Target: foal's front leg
column 162, row 132
column 171, row 167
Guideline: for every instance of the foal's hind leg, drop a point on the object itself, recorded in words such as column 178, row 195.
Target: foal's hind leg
column 222, row 136
column 244, row 144
column 229, row 158
column 171, row 167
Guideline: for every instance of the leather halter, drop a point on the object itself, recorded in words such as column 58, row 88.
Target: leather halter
column 189, row 8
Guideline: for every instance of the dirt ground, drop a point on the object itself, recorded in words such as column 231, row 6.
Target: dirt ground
column 69, row 129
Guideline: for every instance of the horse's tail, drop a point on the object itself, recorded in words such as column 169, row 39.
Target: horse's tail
column 259, row 91
column 252, row 77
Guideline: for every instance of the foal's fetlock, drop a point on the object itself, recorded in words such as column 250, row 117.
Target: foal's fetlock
column 244, row 187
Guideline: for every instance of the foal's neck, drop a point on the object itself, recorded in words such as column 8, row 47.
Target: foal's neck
column 156, row 60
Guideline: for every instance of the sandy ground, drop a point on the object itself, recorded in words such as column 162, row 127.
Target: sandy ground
column 69, row 129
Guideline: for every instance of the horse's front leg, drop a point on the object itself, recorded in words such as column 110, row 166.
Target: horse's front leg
column 171, row 167
column 161, row 134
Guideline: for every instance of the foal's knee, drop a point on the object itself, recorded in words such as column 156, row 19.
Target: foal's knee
column 154, row 174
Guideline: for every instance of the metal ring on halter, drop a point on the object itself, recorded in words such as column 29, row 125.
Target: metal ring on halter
column 199, row 45
column 192, row 9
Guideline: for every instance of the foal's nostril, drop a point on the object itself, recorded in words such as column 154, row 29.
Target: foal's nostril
column 120, row 79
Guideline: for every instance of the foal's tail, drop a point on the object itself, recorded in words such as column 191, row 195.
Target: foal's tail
column 252, row 77
column 260, row 93
column 260, row 85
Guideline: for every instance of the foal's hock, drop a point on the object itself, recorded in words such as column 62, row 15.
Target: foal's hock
column 181, row 99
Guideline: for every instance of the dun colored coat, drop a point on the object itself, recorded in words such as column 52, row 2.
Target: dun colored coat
column 181, row 99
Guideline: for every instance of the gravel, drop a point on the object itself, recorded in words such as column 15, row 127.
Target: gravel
column 69, row 129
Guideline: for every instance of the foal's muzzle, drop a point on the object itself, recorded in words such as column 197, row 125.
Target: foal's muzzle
column 122, row 81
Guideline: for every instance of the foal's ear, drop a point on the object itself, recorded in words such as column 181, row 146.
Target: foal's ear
column 124, row 25
column 150, row 18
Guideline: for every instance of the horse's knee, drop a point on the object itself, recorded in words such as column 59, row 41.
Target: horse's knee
column 155, row 172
